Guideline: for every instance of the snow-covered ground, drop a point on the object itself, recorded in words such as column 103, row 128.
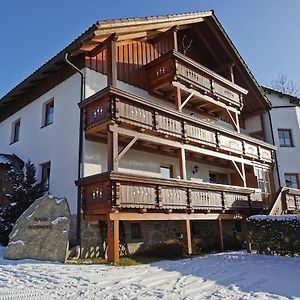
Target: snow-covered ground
column 232, row 275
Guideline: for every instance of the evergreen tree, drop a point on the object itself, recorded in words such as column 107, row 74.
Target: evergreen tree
column 24, row 191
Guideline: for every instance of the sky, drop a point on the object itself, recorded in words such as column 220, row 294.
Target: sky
column 266, row 32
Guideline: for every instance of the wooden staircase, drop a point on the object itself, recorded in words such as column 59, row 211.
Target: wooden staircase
column 287, row 202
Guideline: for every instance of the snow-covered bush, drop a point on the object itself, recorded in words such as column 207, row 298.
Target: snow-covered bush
column 275, row 235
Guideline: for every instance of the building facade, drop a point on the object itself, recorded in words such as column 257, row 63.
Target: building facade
column 156, row 119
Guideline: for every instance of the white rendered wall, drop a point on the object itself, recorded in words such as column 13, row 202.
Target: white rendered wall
column 286, row 118
column 57, row 142
column 253, row 124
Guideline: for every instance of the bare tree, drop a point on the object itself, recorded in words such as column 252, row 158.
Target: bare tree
column 285, row 85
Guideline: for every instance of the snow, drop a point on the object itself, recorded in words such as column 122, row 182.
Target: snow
column 4, row 160
column 59, row 219
column 17, row 242
column 232, row 275
column 272, row 218
column 59, row 200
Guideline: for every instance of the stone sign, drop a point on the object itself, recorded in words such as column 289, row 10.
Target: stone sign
column 42, row 231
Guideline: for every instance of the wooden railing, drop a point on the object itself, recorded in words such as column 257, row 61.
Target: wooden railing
column 129, row 191
column 176, row 66
column 138, row 112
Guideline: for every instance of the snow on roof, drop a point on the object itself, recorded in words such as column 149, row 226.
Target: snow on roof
column 273, row 218
column 8, row 159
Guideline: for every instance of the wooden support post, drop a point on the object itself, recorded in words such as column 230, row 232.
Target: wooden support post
column 231, row 73
column 246, row 236
column 220, row 234
column 182, row 164
column 175, row 42
column 112, row 62
column 237, row 122
column 112, row 240
column 112, row 151
column 187, row 235
column 178, row 98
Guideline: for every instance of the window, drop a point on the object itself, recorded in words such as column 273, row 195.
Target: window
column 48, row 113
column 218, row 178
column 15, row 131
column 166, row 172
column 285, row 138
column 45, row 176
column 136, row 231
column 291, row 180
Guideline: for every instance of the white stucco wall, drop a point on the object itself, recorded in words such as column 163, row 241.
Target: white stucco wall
column 253, row 124
column 285, row 118
column 57, row 142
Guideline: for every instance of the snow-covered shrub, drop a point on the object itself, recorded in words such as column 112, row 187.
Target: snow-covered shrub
column 275, row 235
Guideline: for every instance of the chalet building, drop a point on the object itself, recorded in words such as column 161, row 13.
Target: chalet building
column 285, row 119
column 153, row 126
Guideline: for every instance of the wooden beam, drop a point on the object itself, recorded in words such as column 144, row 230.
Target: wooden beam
column 187, row 237
column 112, row 150
column 112, row 240
column 112, row 61
column 186, row 100
column 178, row 145
column 159, row 216
column 124, row 150
column 203, row 97
column 220, row 234
column 148, row 25
column 182, row 164
column 241, row 172
column 246, row 236
column 96, row 50
column 178, row 98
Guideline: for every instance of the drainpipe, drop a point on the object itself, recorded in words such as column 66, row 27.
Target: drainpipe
column 80, row 150
column 273, row 140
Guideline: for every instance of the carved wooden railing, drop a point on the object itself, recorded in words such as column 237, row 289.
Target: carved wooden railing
column 122, row 191
column 176, row 66
column 131, row 110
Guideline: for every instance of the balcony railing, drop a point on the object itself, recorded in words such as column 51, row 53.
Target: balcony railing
column 174, row 66
column 131, row 110
column 120, row 191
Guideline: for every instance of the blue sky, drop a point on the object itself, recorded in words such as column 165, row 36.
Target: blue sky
column 266, row 32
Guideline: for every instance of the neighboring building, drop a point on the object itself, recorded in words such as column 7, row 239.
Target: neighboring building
column 170, row 128
column 285, row 117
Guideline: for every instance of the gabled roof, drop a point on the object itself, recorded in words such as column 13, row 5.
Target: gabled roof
column 291, row 98
column 102, row 29
column 10, row 160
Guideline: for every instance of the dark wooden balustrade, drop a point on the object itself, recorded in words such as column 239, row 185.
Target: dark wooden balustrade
column 130, row 110
column 174, row 66
column 120, row 191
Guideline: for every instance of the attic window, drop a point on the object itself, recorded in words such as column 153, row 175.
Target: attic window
column 15, row 131
column 48, row 113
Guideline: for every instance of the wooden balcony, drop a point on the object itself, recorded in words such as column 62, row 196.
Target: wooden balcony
column 176, row 67
column 133, row 112
column 117, row 191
